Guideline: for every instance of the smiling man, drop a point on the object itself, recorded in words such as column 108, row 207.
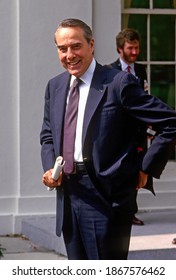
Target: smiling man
column 75, row 49
column 103, row 169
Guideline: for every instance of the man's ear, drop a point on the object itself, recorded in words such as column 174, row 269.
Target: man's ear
column 118, row 50
column 91, row 43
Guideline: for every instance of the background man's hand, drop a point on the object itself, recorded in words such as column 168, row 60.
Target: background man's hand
column 142, row 180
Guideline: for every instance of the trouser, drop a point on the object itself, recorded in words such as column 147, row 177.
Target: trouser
column 92, row 229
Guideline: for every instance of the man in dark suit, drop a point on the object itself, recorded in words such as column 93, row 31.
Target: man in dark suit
column 95, row 198
column 128, row 48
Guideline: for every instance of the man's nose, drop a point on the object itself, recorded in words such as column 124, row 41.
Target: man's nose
column 70, row 53
column 134, row 51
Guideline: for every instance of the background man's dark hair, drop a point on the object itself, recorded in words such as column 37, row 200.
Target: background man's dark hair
column 126, row 35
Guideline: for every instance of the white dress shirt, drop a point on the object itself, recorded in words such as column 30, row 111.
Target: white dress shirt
column 86, row 79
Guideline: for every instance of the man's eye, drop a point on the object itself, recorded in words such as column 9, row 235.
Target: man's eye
column 76, row 47
column 62, row 49
column 65, row 49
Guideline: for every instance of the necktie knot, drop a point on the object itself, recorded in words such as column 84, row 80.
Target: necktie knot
column 76, row 83
column 129, row 69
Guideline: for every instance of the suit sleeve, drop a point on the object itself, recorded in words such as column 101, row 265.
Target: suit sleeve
column 46, row 138
column 152, row 111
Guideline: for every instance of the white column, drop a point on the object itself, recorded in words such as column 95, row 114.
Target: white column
column 28, row 60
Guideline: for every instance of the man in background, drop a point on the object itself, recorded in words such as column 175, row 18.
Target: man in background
column 128, row 47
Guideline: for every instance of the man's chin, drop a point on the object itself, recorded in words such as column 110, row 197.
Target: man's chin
column 133, row 60
column 74, row 72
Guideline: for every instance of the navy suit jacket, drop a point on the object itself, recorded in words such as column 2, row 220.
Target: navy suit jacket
column 115, row 108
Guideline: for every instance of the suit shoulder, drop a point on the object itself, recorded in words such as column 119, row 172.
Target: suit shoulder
column 57, row 82
column 112, row 72
column 59, row 77
column 116, row 65
column 105, row 70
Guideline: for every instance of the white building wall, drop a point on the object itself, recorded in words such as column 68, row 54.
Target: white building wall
column 28, row 60
column 106, row 25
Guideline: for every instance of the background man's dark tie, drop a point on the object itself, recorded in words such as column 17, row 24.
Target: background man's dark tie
column 70, row 127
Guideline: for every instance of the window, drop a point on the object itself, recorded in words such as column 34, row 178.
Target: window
column 155, row 21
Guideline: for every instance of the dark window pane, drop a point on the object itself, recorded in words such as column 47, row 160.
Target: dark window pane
column 163, row 86
column 162, row 34
column 163, row 83
column 138, row 22
column 136, row 4
column 164, row 4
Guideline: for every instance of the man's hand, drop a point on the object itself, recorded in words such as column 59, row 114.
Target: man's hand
column 142, row 180
column 49, row 181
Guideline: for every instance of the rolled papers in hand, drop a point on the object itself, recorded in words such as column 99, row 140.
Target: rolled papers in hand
column 59, row 163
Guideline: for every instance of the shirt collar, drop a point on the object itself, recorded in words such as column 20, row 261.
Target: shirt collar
column 87, row 76
column 125, row 65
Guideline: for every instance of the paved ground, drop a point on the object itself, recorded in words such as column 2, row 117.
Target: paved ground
column 153, row 241
column 148, row 242
column 20, row 248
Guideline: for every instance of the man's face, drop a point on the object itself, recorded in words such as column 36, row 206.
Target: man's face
column 75, row 53
column 129, row 52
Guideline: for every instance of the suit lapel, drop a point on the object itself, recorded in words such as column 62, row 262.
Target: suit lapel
column 136, row 69
column 95, row 95
column 118, row 64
